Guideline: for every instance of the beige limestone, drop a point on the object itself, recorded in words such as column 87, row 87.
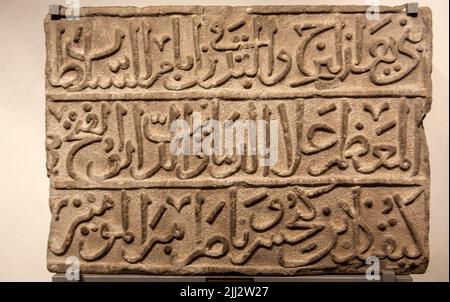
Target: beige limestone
column 349, row 94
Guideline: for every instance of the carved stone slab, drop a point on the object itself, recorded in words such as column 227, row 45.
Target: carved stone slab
column 348, row 89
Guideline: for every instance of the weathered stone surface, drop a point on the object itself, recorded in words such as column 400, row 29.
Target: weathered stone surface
column 349, row 95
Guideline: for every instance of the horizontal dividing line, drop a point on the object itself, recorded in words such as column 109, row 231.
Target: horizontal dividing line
column 58, row 265
column 155, row 11
column 321, row 9
column 132, row 11
column 217, row 184
column 229, row 95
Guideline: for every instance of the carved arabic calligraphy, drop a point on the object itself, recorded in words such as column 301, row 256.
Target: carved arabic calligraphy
column 351, row 176
column 178, row 53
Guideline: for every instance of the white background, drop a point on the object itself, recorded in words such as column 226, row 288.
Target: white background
column 24, row 211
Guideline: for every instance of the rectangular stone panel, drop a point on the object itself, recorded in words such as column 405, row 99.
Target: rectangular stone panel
column 341, row 95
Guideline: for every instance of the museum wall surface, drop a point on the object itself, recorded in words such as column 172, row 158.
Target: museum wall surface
column 25, row 208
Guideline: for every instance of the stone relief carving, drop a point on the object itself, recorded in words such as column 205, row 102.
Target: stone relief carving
column 349, row 95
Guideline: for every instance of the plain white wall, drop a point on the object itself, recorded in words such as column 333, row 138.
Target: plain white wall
column 24, row 211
